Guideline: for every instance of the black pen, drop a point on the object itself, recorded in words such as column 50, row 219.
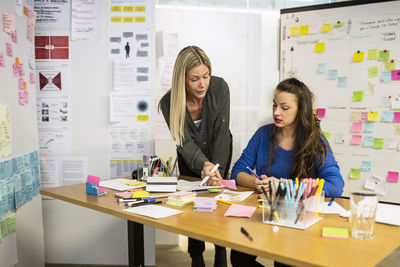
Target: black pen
column 246, row 233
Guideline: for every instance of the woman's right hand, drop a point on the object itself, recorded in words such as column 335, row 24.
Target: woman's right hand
column 215, row 178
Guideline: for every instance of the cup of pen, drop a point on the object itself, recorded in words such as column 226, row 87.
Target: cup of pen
column 287, row 212
column 363, row 207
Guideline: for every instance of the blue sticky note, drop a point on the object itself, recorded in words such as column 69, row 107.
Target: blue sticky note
column 368, row 141
column 369, row 127
column 341, row 81
column 386, row 76
column 332, row 74
column 366, row 166
column 321, row 68
column 387, row 116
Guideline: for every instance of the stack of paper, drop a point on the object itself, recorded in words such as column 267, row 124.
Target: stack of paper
column 205, row 204
column 161, row 184
column 181, row 198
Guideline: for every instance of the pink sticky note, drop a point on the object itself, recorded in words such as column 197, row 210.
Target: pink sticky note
column 356, row 139
column 21, row 69
column 21, row 99
column 31, row 77
column 357, row 127
column 2, row 62
column 15, row 70
column 93, row 179
column 321, row 113
column 20, row 83
column 100, row 190
column 364, row 116
column 14, row 37
column 392, row 177
column 240, row 211
column 395, row 75
column 231, row 184
column 396, row 116
column 25, row 96
column 8, row 22
column 9, row 50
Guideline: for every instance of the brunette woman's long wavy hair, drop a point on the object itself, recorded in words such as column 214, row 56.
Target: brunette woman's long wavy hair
column 309, row 146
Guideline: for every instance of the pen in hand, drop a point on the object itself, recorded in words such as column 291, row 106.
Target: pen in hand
column 246, row 233
column 255, row 174
column 208, row 177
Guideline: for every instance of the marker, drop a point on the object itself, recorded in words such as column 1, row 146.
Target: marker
column 255, row 174
column 330, row 202
column 225, row 202
column 141, row 202
column 246, row 233
column 208, row 177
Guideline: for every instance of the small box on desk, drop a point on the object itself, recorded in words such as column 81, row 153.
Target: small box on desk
column 295, row 214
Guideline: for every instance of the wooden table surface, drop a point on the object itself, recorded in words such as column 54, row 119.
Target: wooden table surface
column 288, row 245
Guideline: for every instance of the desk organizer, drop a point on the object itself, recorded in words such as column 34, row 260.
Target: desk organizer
column 300, row 215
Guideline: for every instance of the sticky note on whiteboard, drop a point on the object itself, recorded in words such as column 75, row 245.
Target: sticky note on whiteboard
column 395, row 75
column 319, row 47
column 392, row 177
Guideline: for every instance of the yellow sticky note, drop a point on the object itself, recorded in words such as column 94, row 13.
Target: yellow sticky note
column 294, row 31
column 128, row 8
column 384, row 55
column 138, row 194
column 335, row 232
column 327, row 135
column 303, row 29
column 140, row 8
column 373, row 116
column 390, row 65
column 319, row 47
column 142, row 117
column 140, row 19
column 372, row 72
column 355, row 173
column 326, row 27
column 378, row 143
column 358, row 96
column 115, row 19
column 373, row 53
column 116, row 8
column 358, row 56
column 397, row 129
column 130, row 182
column 128, row 19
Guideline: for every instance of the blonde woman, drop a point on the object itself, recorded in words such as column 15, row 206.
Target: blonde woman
column 196, row 109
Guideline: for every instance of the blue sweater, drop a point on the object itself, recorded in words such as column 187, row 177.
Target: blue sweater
column 256, row 155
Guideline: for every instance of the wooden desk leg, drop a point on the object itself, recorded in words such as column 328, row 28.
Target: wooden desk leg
column 135, row 244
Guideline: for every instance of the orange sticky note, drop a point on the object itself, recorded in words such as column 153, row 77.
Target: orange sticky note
column 17, row 61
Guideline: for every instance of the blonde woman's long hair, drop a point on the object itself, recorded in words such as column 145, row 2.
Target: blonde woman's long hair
column 188, row 58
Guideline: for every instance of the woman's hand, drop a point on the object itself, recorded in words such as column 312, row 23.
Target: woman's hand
column 215, row 178
column 264, row 182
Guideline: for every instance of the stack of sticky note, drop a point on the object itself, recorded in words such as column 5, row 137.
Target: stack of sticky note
column 335, row 232
column 181, row 198
column 205, row 204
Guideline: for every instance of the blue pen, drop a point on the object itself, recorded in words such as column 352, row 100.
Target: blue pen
column 331, row 201
column 255, row 174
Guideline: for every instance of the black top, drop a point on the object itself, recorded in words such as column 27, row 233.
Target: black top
column 212, row 140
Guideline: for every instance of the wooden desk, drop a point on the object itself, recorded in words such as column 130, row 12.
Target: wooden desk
column 290, row 246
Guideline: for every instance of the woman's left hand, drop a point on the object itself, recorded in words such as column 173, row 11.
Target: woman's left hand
column 265, row 182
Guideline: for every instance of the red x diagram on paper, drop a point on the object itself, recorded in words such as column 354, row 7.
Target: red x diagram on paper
column 51, row 47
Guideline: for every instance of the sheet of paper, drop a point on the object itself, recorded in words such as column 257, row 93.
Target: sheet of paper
column 385, row 213
column 117, row 184
column 55, row 140
column 85, row 21
column 153, row 211
column 234, row 196
column 184, row 185
column 53, row 79
column 129, row 107
column 132, row 76
column 237, row 210
column 335, row 208
column 5, row 132
column 53, row 15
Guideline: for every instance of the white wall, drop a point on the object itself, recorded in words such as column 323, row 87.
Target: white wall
column 24, row 138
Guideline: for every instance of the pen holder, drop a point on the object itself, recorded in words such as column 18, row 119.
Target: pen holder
column 291, row 213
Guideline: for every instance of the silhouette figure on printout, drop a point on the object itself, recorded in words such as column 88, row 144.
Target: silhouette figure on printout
column 127, row 49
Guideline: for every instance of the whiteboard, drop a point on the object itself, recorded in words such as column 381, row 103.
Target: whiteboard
column 349, row 56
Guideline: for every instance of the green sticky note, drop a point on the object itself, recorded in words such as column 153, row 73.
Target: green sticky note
column 384, row 55
column 3, row 226
column 372, row 72
column 378, row 143
column 335, row 232
column 354, row 173
column 11, row 224
column 357, row 96
column 373, row 54
column 214, row 190
column 327, row 135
